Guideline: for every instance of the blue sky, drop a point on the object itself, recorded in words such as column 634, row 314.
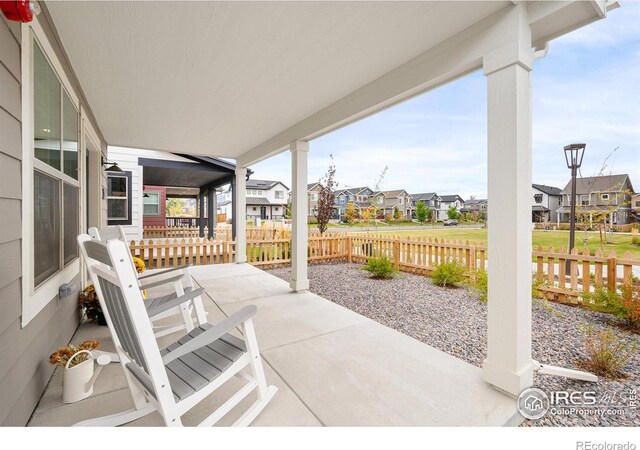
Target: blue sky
column 587, row 89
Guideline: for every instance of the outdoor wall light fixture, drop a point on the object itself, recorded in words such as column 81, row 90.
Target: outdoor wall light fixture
column 20, row 10
column 112, row 168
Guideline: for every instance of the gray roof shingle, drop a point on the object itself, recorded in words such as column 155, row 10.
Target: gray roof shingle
column 605, row 183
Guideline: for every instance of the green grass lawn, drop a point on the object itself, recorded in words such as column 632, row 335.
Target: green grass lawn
column 557, row 239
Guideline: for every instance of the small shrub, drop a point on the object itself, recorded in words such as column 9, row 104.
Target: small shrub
column 481, row 283
column 635, row 240
column 380, row 267
column 607, row 352
column 449, row 274
column 625, row 306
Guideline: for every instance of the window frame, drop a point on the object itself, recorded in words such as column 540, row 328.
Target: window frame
column 536, row 197
column 36, row 298
column 128, row 176
column 153, row 192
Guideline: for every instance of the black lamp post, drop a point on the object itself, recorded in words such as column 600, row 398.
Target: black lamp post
column 573, row 153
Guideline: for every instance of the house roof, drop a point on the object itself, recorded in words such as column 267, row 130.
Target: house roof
column 604, row 183
column 260, row 201
column 590, row 208
column 474, row 201
column 423, row 196
column 451, row 198
column 549, row 190
column 539, row 208
column 199, row 172
column 393, row 194
column 263, row 184
column 311, row 186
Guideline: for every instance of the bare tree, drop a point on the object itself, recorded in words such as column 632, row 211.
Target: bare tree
column 326, row 197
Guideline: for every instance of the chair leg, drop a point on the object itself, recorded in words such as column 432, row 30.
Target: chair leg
column 256, row 361
column 201, row 315
column 117, row 419
column 187, row 281
column 184, row 308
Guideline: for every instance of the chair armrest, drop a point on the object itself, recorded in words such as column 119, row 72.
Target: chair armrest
column 162, row 272
column 172, row 300
column 212, row 334
column 150, row 284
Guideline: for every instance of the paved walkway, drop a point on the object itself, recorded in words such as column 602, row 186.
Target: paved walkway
column 333, row 367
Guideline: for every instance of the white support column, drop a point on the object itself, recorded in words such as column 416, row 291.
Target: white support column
column 240, row 214
column 299, row 230
column 509, row 366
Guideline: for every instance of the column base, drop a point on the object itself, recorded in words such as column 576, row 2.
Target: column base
column 299, row 285
column 512, row 383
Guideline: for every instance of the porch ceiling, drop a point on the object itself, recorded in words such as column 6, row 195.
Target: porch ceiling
column 222, row 77
column 244, row 79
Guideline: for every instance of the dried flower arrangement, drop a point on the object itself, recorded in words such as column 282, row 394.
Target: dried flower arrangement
column 61, row 356
column 88, row 300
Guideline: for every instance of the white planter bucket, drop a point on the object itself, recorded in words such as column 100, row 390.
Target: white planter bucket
column 77, row 381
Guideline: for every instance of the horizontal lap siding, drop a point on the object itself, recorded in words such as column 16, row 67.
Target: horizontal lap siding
column 25, row 370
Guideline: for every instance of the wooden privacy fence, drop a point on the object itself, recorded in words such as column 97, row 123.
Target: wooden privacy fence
column 176, row 252
column 586, row 272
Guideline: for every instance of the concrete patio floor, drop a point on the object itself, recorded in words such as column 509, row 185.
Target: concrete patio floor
column 332, row 367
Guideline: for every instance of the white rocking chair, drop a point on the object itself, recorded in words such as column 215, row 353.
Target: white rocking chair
column 175, row 379
column 182, row 283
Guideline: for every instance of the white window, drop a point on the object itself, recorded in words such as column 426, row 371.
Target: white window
column 51, row 187
column 56, row 188
column 280, row 195
column 151, row 203
column 314, row 196
column 118, row 197
column 259, row 192
column 584, row 200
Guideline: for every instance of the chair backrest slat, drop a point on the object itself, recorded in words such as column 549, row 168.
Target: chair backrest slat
column 98, row 252
column 108, row 233
column 122, row 321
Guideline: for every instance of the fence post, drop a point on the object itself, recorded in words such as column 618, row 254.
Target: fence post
column 349, row 249
column 396, row 253
column 611, row 272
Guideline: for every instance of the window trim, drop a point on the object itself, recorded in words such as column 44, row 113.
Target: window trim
column 35, row 299
column 128, row 220
column 159, row 194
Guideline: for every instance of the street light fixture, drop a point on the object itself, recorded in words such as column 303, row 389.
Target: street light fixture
column 573, row 154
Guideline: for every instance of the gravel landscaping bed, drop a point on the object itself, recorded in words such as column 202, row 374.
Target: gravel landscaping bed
column 455, row 321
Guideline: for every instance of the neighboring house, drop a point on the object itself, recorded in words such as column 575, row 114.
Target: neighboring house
column 635, row 207
column 313, row 190
column 446, row 202
column 359, row 196
column 398, row 198
column 545, row 202
column 266, row 199
column 430, row 199
column 475, row 206
column 609, row 195
column 136, row 196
